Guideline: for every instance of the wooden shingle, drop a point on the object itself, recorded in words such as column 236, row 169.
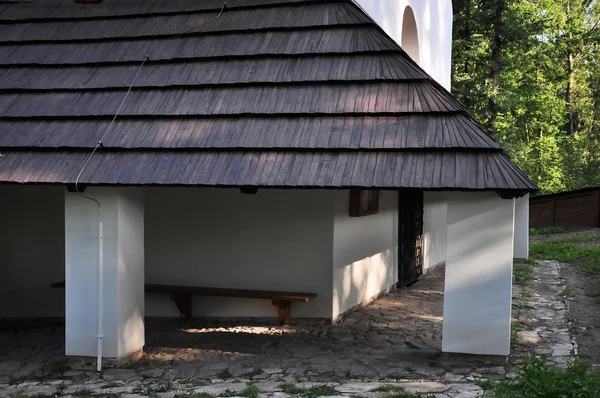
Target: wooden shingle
column 272, row 93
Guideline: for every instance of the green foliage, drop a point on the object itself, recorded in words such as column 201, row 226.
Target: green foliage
column 535, row 379
column 387, row 388
column 251, row 391
column 53, row 369
column 194, row 395
column 153, row 389
column 540, row 96
column 523, row 273
column 547, row 230
column 588, row 258
column 312, row 392
column 567, row 293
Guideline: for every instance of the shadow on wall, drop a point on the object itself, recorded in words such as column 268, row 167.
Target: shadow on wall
column 362, row 280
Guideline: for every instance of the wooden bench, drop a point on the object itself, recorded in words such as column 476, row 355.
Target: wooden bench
column 182, row 296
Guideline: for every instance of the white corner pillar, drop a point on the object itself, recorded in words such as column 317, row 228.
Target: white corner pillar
column 122, row 295
column 478, row 282
column 522, row 227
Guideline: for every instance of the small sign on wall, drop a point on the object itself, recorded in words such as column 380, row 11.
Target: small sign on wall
column 364, row 202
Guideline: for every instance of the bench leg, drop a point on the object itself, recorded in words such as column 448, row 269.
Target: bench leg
column 283, row 310
column 184, row 304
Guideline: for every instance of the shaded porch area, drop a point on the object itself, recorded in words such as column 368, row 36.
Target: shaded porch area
column 397, row 336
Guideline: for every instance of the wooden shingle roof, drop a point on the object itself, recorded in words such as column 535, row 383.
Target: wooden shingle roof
column 271, row 93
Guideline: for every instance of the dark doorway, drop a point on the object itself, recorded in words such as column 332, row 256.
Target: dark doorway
column 410, row 237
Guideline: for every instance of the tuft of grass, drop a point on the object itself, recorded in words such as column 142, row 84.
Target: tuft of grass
column 527, row 293
column 406, row 394
column 567, row 293
column 593, row 294
column 251, row 391
column 53, row 369
column 194, row 395
column 548, row 230
column 312, row 392
column 535, row 379
column 388, row 388
column 153, row 390
column 588, row 258
column 523, row 273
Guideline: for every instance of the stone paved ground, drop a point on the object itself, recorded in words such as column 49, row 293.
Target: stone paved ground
column 393, row 343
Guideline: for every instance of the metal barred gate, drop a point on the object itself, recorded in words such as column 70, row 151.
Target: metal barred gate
column 410, row 237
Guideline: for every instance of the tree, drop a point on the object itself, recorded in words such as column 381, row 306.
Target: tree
column 527, row 70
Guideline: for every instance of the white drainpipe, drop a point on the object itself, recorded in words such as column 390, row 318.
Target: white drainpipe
column 100, row 288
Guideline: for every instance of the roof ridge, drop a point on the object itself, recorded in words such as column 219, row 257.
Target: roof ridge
column 58, row 9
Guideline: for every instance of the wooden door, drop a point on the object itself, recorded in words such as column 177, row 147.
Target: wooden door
column 410, row 237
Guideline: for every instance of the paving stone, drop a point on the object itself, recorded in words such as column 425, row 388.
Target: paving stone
column 392, row 339
column 453, row 377
column 358, row 387
column 425, row 387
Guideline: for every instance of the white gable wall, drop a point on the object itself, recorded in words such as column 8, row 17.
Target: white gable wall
column 434, row 26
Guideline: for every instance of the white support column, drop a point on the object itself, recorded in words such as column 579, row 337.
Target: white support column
column 478, row 285
column 522, row 227
column 123, row 272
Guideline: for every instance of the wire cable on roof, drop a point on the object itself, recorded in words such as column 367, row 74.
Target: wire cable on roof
column 99, row 143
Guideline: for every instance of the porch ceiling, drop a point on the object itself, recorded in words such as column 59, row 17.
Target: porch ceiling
column 286, row 93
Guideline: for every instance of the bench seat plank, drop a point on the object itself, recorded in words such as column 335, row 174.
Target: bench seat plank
column 182, row 296
column 222, row 292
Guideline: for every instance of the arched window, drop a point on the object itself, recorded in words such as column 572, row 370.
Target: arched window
column 410, row 35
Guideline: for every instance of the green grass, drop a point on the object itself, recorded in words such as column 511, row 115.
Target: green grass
column 152, row 390
column 523, row 273
column 593, row 294
column 535, row 379
column 194, row 395
column 251, row 391
column 53, row 369
column 567, row 293
column 579, row 239
column 588, row 258
column 548, row 230
column 312, row 392
column 387, row 388
column 397, row 392
column 527, row 293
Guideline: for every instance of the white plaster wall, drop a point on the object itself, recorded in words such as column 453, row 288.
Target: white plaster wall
column 274, row 240
column 364, row 251
column 32, row 251
column 123, row 271
column 435, row 218
column 131, row 270
column 81, row 251
column 434, row 26
column 478, row 282
column 522, row 227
